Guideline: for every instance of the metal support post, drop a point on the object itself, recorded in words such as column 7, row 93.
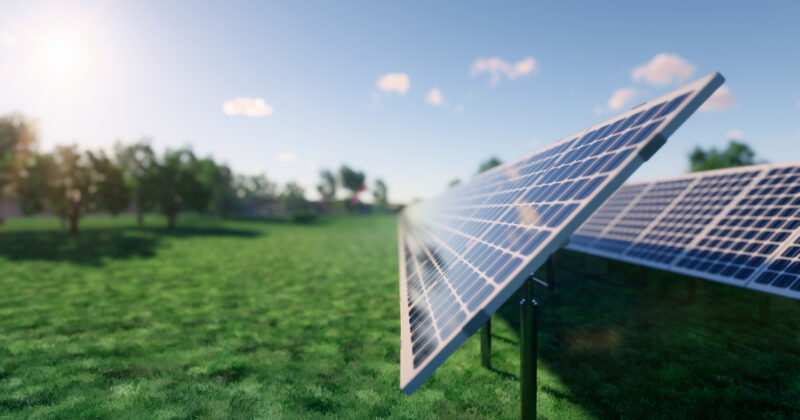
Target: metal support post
column 486, row 344
column 528, row 350
column 551, row 272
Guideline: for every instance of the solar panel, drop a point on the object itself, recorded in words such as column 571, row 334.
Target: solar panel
column 738, row 226
column 465, row 252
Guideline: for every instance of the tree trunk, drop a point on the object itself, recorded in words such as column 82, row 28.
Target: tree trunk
column 73, row 224
column 139, row 216
column 171, row 220
column 74, row 215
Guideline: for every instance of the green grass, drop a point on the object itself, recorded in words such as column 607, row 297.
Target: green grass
column 272, row 320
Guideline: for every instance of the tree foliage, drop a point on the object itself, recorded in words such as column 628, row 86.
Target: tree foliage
column 381, row 194
column 71, row 182
column 489, row 164
column 178, row 186
column 327, row 186
column 139, row 166
column 111, row 192
column 736, row 154
column 352, row 180
column 17, row 136
column 34, row 182
column 71, row 190
column 218, row 179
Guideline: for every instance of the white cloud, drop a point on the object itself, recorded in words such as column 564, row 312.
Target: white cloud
column 434, row 97
column 497, row 68
column 394, row 82
column 287, row 157
column 664, row 69
column 251, row 107
column 621, row 97
column 734, row 135
column 459, row 108
column 721, row 100
column 311, row 164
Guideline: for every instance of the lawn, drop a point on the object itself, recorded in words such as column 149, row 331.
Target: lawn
column 251, row 319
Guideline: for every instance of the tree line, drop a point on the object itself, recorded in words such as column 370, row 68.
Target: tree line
column 72, row 182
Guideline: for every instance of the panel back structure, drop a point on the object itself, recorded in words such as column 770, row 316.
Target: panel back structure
column 464, row 253
column 739, row 226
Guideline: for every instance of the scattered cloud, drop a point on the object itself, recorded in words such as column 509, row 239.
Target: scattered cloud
column 618, row 100
column 251, row 107
column 621, row 97
column 497, row 68
column 734, row 135
column 394, row 83
column 434, row 97
column 8, row 39
column 721, row 100
column 664, row 69
column 287, row 157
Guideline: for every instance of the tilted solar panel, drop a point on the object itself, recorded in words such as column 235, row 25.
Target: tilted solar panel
column 465, row 252
column 739, row 226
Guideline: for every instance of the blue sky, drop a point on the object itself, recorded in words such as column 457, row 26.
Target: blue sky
column 511, row 77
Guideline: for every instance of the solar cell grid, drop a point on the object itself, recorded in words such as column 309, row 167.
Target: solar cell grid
column 739, row 226
column 467, row 251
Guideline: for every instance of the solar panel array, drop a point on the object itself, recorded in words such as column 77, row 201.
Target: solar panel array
column 738, row 226
column 464, row 253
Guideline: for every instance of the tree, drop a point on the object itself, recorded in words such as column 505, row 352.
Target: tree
column 296, row 205
column 736, row 154
column 70, row 188
column 293, row 198
column 111, row 191
column 327, row 187
column 139, row 165
column 33, row 184
column 489, row 164
column 255, row 192
column 454, row 182
column 353, row 181
column 381, row 194
column 218, row 179
column 17, row 136
column 178, row 186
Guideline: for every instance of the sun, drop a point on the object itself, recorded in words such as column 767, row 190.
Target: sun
column 63, row 55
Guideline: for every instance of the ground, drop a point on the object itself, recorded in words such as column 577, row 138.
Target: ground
column 250, row 319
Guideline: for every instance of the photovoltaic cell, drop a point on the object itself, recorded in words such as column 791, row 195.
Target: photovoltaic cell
column 463, row 253
column 739, row 226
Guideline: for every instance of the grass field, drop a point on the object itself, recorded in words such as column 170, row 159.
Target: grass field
column 270, row 320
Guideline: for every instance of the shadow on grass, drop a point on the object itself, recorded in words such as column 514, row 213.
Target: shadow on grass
column 629, row 342
column 92, row 246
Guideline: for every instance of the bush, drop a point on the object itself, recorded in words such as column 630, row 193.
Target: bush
column 303, row 217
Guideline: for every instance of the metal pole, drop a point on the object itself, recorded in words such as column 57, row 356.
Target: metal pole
column 528, row 348
column 551, row 271
column 486, row 344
